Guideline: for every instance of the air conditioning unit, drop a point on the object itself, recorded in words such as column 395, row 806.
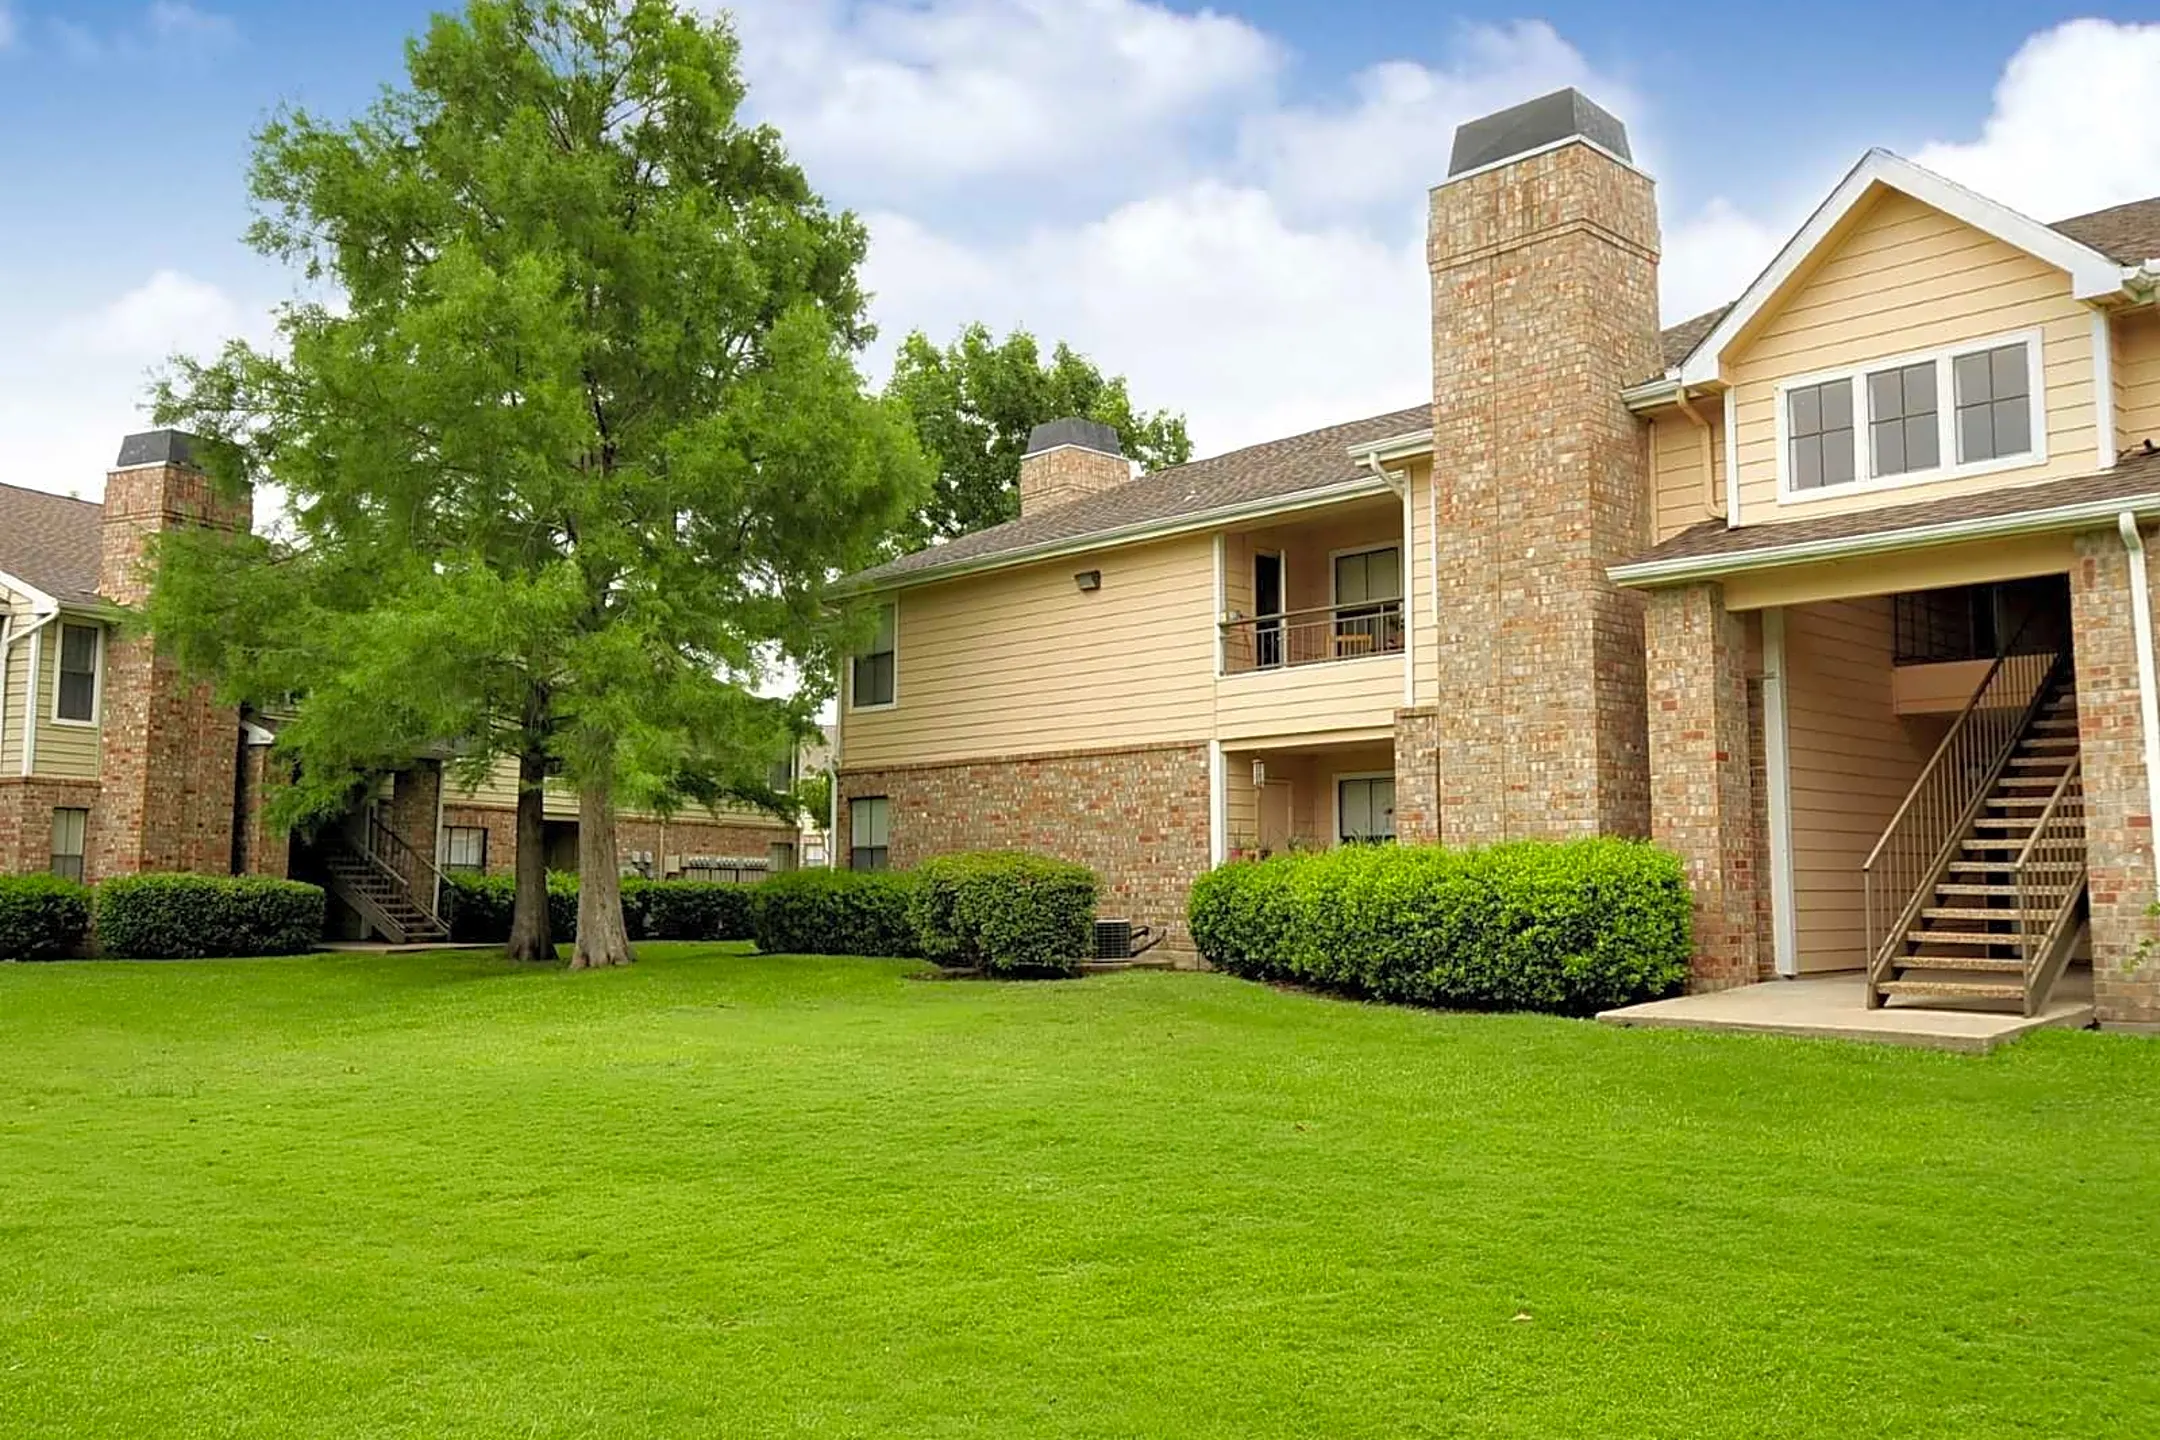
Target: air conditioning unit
column 1121, row 939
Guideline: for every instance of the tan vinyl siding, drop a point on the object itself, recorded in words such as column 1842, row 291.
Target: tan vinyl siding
column 1906, row 278
column 1852, row 761
column 1022, row 661
column 2137, row 377
column 1678, row 497
column 11, row 708
column 1345, row 695
column 1425, row 627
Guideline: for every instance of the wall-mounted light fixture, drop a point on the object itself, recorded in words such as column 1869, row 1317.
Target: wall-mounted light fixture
column 1259, row 774
column 1088, row 580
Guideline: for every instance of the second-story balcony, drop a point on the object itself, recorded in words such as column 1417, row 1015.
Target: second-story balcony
column 1317, row 636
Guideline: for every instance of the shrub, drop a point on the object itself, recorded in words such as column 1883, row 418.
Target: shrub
column 173, row 917
column 835, row 912
column 480, row 907
column 1005, row 912
column 1569, row 928
column 42, row 917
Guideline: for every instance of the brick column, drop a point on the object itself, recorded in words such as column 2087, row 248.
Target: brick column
column 2118, row 818
column 259, row 849
column 1417, row 775
column 415, row 796
column 1702, row 804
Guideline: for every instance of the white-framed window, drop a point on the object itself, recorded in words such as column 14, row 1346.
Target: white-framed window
column 70, row 827
column 1364, row 809
column 75, row 696
column 465, row 848
column 869, row 832
column 1967, row 409
column 873, row 677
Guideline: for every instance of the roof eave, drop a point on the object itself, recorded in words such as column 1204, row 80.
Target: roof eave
column 1135, row 534
column 1649, row 574
column 1406, row 446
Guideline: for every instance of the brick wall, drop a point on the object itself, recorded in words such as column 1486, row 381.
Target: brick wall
column 415, row 801
column 170, row 753
column 1068, row 473
column 260, row 850
column 2118, row 810
column 1418, row 763
column 1138, row 818
column 1544, row 305
column 1702, row 796
column 660, row 839
column 26, row 808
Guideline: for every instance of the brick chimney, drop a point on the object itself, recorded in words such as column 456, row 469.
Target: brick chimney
column 1067, row 460
column 1543, row 249
column 166, row 796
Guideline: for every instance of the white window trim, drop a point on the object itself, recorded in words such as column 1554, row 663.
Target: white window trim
column 97, row 676
column 1942, row 357
column 1335, row 784
column 893, row 703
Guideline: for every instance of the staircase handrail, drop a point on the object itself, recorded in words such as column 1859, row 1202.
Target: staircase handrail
column 2049, row 880
column 380, row 838
column 1939, row 809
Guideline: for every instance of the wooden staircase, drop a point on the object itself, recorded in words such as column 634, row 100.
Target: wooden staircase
column 386, row 884
column 1997, row 910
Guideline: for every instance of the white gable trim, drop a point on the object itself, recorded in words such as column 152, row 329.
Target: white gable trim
column 40, row 602
column 2092, row 274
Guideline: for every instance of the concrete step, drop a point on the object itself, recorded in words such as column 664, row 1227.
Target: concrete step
column 1954, row 989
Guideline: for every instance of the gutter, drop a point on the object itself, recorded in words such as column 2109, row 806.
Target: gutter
column 1352, row 489
column 1646, row 573
column 2148, row 692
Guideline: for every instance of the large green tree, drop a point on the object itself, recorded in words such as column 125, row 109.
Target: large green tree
column 973, row 403
column 570, row 426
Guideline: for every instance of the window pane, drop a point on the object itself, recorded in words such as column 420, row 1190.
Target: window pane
column 1919, row 389
column 1976, row 433
column 68, row 829
column 1837, row 456
column 1886, row 395
column 1383, row 804
column 1971, row 379
column 2013, row 425
column 867, row 821
column 77, row 691
column 2010, row 375
column 1836, row 406
column 1889, row 437
column 78, row 648
column 78, row 697
column 1807, row 462
column 1807, row 410
column 1923, row 442
column 1386, row 577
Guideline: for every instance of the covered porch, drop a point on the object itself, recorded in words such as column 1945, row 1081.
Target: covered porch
column 1295, row 794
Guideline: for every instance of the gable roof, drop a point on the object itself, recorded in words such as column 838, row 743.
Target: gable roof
column 2127, row 234
column 2093, row 271
column 1313, row 467
column 50, row 542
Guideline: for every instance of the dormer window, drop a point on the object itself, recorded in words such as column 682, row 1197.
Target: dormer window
column 1965, row 410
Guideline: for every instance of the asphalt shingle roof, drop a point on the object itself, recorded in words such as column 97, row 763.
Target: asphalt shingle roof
column 50, row 542
column 2138, row 476
column 1257, row 473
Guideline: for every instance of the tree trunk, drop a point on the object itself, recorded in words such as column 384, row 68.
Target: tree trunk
column 602, row 938
column 531, row 937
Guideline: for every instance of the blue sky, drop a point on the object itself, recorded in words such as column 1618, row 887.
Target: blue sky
column 1222, row 202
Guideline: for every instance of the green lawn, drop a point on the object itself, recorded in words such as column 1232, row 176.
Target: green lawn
column 721, row 1194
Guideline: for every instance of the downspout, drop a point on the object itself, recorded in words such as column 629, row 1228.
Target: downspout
column 1713, row 499
column 2148, row 695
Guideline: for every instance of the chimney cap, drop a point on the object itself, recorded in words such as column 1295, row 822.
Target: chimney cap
column 157, row 447
column 1086, row 434
column 1534, row 125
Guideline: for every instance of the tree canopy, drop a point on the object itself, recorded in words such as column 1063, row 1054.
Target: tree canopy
column 974, row 402
column 574, row 444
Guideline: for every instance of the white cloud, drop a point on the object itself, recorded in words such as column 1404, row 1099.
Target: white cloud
column 163, row 28
column 173, row 21
column 168, row 312
column 889, row 98
column 2072, row 126
column 7, row 27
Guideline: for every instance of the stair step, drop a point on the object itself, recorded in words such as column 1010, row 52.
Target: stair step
column 1953, row 888
column 1983, row 964
column 2055, row 725
column 1954, row 989
column 1960, row 937
column 2005, row 822
column 2038, row 782
column 2011, row 843
column 1971, row 912
column 2018, row 802
column 2057, row 763
column 2050, row 742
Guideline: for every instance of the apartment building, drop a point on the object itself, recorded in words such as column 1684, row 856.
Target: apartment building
column 1838, row 591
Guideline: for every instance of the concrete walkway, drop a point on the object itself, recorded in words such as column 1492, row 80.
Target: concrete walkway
column 1835, row 1007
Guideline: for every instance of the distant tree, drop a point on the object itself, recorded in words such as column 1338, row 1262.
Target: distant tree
column 813, row 797
column 572, row 460
column 973, row 404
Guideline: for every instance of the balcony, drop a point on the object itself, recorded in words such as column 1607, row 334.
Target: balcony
column 1318, row 636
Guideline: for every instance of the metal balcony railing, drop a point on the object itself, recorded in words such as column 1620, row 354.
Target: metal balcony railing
column 1312, row 637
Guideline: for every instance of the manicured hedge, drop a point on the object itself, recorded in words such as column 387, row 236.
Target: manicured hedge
column 1005, row 912
column 1570, row 928
column 42, row 917
column 173, row 917
column 835, row 912
column 480, row 907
